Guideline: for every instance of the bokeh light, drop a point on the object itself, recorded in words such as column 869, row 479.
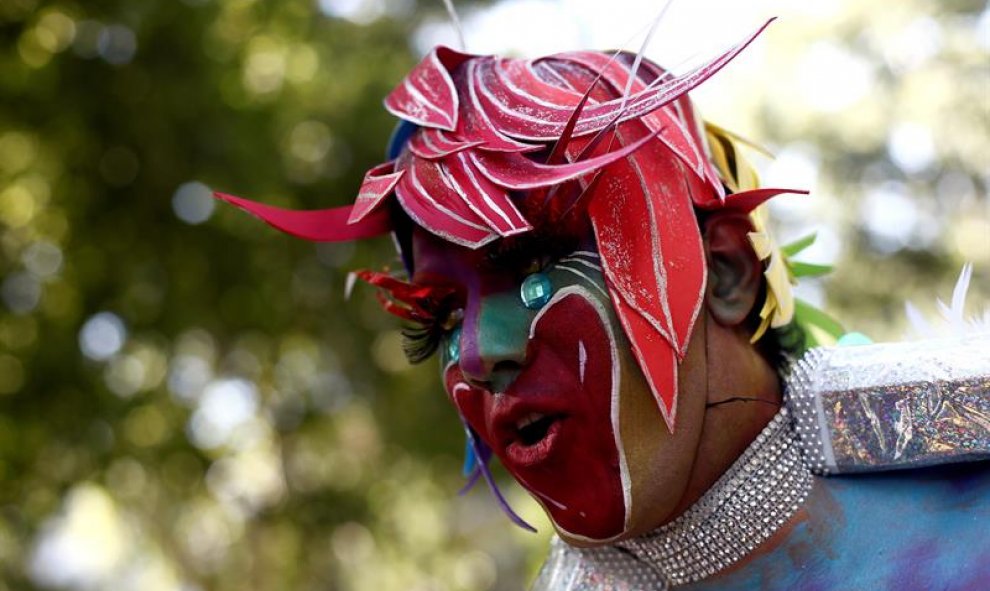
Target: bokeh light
column 117, row 44
column 102, row 336
column 224, row 407
column 193, row 202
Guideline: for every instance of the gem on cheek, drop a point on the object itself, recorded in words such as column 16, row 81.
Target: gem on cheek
column 536, row 291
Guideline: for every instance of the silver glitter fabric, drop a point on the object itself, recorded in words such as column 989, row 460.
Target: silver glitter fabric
column 606, row 568
column 890, row 406
column 751, row 501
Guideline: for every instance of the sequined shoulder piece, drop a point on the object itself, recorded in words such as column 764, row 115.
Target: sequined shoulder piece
column 893, row 405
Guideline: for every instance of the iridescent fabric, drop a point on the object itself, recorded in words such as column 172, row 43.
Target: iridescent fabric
column 894, row 405
column 595, row 569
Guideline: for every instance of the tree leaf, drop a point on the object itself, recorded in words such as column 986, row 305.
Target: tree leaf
column 798, row 245
column 807, row 315
column 799, row 269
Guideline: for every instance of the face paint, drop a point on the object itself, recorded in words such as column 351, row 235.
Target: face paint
column 555, row 392
column 551, row 429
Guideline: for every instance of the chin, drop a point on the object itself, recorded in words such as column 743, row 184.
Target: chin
column 581, row 528
column 580, row 486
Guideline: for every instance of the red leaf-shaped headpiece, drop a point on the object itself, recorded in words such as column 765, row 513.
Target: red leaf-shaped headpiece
column 507, row 146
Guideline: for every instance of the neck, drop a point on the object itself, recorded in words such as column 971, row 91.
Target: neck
column 755, row 497
column 752, row 389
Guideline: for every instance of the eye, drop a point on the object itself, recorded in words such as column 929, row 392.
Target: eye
column 420, row 341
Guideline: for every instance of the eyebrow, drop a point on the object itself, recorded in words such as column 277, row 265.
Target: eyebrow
column 518, row 251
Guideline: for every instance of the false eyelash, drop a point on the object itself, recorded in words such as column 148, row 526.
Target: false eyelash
column 420, row 342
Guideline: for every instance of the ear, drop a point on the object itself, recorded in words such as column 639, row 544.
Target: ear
column 735, row 275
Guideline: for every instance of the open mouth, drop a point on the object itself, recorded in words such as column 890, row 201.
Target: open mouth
column 533, row 428
column 534, row 436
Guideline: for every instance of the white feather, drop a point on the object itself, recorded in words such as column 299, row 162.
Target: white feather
column 456, row 22
column 959, row 295
column 642, row 50
column 953, row 317
column 349, row 285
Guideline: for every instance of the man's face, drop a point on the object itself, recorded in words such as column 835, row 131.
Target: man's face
column 552, row 387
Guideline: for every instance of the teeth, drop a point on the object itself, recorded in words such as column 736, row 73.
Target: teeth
column 529, row 420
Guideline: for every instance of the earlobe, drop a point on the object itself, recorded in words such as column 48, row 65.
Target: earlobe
column 734, row 272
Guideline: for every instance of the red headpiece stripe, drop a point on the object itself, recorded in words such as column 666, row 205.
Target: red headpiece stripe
column 515, row 171
column 747, row 201
column 321, row 225
column 484, row 197
column 427, row 96
column 378, row 184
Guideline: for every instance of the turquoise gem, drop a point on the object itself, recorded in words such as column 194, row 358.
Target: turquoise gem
column 854, row 339
column 454, row 345
column 535, row 291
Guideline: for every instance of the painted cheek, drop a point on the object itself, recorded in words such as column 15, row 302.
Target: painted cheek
column 573, row 359
column 568, row 368
column 470, row 401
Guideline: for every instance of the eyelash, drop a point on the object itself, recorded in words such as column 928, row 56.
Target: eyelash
column 421, row 341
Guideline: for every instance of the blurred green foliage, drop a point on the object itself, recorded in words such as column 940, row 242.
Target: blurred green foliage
column 186, row 399
column 890, row 106
column 128, row 468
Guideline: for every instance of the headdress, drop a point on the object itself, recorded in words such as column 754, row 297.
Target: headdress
column 491, row 148
column 495, row 147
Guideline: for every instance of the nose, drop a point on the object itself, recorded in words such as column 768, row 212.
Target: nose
column 494, row 335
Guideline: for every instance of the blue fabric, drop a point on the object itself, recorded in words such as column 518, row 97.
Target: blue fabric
column 470, row 460
column 909, row 530
column 400, row 135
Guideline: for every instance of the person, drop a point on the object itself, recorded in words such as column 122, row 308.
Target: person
column 615, row 325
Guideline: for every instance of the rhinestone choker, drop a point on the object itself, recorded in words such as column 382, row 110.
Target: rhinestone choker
column 751, row 501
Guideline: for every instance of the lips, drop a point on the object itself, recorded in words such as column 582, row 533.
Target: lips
column 528, row 455
column 527, row 426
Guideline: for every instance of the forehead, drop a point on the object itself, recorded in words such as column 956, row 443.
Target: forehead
column 433, row 256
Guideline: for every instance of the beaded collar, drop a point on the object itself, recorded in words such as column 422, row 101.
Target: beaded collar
column 751, row 501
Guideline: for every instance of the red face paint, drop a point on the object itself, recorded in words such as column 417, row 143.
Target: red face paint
column 539, row 386
column 552, row 427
